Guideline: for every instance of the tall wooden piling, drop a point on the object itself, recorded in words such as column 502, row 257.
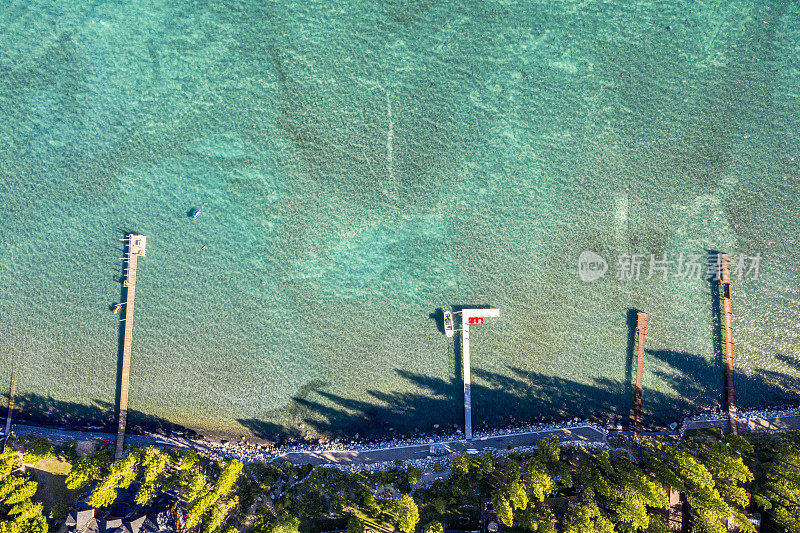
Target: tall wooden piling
column 641, row 329
column 11, row 393
column 727, row 314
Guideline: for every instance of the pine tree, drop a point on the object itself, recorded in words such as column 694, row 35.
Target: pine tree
column 538, row 480
column 370, row 505
column 89, row 469
column 486, row 464
column 462, row 464
column 584, row 516
column 413, row 474
column 503, row 507
column 433, row 527
column 407, row 514
column 215, row 501
column 624, row 490
column 283, row 524
column 548, row 455
column 18, row 513
column 121, row 475
column 679, row 469
column 155, row 464
column 724, row 461
column 539, row 518
column 516, row 495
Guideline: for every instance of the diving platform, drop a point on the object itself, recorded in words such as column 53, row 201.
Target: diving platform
column 136, row 246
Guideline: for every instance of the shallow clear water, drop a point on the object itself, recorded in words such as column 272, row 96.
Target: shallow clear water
column 364, row 164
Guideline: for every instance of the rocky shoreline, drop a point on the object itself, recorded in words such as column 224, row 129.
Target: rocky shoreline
column 247, row 452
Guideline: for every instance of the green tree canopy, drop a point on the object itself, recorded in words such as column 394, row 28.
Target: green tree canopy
column 18, row 513
column 584, row 516
column 538, row 517
column 214, row 501
column 37, row 450
column 724, row 460
column 354, row 525
column 407, row 514
column 89, row 469
column 462, row 464
column 548, row 455
column 622, row 489
column 155, row 464
column 283, row 524
column 538, row 481
column 503, row 507
column 433, row 527
column 776, row 469
column 121, row 475
column 413, row 474
column 517, row 495
column 679, row 469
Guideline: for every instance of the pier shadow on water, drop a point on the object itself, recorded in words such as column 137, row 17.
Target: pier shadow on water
column 631, row 320
column 716, row 321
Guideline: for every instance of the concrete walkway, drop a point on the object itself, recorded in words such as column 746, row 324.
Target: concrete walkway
column 750, row 425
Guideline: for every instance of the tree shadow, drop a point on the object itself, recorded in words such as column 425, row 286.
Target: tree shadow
column 35, row 409
column 793, row 362
column 502, row 400
column 693, row 377
column 499, row 400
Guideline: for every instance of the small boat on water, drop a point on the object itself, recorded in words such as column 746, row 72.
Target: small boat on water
column 117, row 308
column 197, row 212
column 448, row 324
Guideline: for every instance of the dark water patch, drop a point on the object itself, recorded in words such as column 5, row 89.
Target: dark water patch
column 46, row 411
column 631, row 321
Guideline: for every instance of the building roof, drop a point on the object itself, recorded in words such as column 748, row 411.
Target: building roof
column 124, row 516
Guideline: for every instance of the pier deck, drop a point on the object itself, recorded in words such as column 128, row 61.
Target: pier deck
column 727, row 314
column 136, row 246
column 468, row 317
column 641, row 329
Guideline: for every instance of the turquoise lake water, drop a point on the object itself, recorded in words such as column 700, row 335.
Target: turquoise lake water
column 363, row 164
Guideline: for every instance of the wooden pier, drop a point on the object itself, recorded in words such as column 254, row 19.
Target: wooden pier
column 641, row 329
column 727, row 315
column 136, row 246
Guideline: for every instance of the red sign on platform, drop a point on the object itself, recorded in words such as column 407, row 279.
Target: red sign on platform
column 475, row 320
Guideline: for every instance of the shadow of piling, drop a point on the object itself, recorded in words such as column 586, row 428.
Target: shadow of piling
column 631, row 320
column 717, row 335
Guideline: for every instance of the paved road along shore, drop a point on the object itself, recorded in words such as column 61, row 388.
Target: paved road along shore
column 587, row 434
